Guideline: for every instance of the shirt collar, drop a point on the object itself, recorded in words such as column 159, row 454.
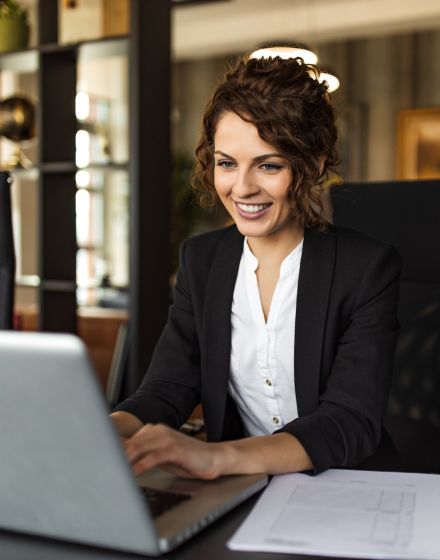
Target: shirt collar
column 250, row 259
column 292, row 260
column 288, row 265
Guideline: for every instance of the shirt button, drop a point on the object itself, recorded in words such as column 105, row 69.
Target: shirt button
column 275, row 420
column 268, row 382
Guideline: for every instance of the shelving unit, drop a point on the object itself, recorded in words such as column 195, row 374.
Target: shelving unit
column 148, row 168
column 57, row 79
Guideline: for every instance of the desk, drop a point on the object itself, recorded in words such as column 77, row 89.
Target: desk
column 208, row 545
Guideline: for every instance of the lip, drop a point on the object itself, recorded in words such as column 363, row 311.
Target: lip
column 253, row 216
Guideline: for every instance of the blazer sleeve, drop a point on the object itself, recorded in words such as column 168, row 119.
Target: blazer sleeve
column 171, row 387
column 346, row 428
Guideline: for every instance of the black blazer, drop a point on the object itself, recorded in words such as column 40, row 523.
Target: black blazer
column 346, row 331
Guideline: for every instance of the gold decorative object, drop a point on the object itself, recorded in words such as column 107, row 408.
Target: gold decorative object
column 17, row 123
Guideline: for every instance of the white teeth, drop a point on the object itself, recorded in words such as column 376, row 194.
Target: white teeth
column 252, row 208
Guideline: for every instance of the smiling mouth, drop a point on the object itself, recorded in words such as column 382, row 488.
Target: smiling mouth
column 252, row 208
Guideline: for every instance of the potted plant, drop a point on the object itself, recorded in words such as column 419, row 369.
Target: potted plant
column 14, row 26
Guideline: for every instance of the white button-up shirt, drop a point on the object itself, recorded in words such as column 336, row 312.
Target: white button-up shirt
column 262, row 381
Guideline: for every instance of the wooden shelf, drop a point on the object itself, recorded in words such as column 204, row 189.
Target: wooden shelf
column 56, row 48
column 111, row 166
column 28, row 172
column 22, row 61
column 114, row 41
column 68, row 167
column 28, row 281
column 58, row 285
column 58, row 167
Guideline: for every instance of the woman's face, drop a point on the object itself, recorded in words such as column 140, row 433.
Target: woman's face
column 251, row 179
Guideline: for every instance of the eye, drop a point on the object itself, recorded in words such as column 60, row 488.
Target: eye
column 271, row 167
column 225, row 163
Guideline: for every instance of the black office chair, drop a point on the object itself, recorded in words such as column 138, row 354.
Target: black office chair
column 7, row 254
column 407, row 215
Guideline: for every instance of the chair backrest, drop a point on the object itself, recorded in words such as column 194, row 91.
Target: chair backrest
column 407, row 215
column 7, row 254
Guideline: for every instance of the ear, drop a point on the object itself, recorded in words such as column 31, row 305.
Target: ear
column 322, row 160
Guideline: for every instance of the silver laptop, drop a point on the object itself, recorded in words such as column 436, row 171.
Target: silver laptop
column 63, row 472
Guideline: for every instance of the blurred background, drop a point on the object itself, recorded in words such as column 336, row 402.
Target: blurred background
column 100, row 105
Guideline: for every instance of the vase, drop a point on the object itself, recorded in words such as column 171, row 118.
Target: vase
column 14, row 35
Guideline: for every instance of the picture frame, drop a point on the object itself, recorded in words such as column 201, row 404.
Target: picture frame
column 418, row 144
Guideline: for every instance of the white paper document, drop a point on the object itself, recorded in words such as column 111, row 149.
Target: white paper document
column 359, row 514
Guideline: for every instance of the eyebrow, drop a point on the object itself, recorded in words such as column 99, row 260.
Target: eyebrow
column 256, row 159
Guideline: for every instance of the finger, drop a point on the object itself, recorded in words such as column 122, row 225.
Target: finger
column 137, row 449
column 150, row 438
column 150, row 431
column 174, row 459
column 153, row 459
column 160, row 445
column 178, row 460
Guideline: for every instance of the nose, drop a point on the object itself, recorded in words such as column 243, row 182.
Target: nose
column 244, row 185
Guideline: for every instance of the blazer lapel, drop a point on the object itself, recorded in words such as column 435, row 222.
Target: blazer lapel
column 314, row 284
column 216, row 329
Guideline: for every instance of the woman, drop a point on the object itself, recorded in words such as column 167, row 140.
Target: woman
column 282, row 326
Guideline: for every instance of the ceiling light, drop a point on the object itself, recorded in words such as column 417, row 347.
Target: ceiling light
column 328, row 76
column 309, row 57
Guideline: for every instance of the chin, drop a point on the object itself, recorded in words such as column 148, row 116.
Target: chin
column 249, row 230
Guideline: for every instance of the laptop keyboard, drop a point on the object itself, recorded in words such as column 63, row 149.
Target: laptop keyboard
column 160, row 501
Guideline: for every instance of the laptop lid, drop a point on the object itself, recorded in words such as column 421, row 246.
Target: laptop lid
column 63, row 473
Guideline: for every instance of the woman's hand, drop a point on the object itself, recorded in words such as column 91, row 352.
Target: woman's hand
column 157, row 445
column 126, row 424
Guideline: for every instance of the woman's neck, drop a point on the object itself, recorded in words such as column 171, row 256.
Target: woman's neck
column 274, row 248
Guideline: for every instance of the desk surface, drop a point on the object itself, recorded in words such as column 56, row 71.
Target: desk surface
column 208, row 545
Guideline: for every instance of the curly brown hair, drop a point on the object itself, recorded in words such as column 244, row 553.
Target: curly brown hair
column 291, row 111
